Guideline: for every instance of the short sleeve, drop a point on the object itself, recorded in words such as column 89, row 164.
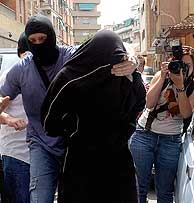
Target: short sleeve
column 11, row 85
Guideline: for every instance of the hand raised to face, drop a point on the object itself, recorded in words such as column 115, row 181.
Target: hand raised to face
column 125, row 68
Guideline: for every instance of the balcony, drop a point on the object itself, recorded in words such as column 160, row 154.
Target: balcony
column 86, row 13
column 48, row 11
column 47, row 8
column 7, row 11
column 86, row 27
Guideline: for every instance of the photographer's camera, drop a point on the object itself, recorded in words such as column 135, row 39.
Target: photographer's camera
column 177, row 64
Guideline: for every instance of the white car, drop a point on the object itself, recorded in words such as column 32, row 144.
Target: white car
column 184, row 186
column 146, row 78
column 8, row 57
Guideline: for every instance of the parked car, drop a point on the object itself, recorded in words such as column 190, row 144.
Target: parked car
column 8, row 57
column 147, row 78
column 184, row 186
column 148, row 70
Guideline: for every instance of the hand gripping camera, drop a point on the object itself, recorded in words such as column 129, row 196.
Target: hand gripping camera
column 177, row 64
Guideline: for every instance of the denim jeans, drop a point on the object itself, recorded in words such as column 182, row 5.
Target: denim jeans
column 44, row 174
column 16, row 180
column 163, row 151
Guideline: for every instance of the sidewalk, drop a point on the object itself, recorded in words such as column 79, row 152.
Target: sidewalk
column 152, row 197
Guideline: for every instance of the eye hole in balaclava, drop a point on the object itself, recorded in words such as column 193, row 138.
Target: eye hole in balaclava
column 46, row 53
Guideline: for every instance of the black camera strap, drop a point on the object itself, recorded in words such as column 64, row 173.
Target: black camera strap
column 153, row 114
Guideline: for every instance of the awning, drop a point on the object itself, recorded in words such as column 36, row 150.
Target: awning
column 181, row 29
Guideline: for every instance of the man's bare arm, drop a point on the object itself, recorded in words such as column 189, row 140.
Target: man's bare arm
column 17, row 123
column 4, row 102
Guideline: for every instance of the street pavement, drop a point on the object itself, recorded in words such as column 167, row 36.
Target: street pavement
column 152, row 197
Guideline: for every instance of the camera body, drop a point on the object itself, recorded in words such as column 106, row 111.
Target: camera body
column 177, row 64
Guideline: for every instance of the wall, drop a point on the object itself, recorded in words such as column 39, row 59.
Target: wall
column 169, row 13
column 187, row 7
column 8, row 25
column 9, row 3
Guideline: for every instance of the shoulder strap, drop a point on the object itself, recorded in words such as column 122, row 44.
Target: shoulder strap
column 153, row 114
column 43, row 75
column 167, row 81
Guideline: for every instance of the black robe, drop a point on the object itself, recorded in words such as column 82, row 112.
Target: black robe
column 95, row 111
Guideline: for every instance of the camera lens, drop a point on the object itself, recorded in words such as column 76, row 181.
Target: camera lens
column 175, row 66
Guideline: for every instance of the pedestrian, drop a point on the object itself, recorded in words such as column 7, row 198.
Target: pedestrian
column 31, row 78
column 13, row 146
column 157, row 139
column 141, row 63
column 98, row 165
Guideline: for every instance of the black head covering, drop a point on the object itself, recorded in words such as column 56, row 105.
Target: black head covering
column 46, row 53
column 22, row 44
column 105, row 47
column 99, row 53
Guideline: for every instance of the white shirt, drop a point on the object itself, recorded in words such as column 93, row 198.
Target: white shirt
column 12, row 142
column 165, row 123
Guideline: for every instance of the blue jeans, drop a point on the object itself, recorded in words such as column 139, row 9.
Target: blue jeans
column 163, row 151
column 44, row 174
column 16, row 180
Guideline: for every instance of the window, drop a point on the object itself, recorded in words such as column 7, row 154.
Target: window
column 143, row 34
column 85, row 20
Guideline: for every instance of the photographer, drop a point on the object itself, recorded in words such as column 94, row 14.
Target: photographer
column 157, row 139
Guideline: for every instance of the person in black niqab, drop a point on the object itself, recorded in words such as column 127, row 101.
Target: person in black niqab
column 94, row 110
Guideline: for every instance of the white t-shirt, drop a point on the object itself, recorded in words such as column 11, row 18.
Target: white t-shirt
column 12, row 142
column 168, row 122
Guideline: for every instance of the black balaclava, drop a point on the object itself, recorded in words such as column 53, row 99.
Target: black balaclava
column 22, row 44
column 46, row 53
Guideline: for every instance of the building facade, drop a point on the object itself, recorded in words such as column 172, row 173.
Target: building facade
column 60, row 14
column 13, row 17
column 85, row 17
column 162, row 21
column 15, row 13
column 156, row 17
column 129, row 32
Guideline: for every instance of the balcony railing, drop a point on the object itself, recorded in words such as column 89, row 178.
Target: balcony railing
column 86, row 13
column 87, row 27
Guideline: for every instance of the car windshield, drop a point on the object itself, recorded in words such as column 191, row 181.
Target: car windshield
column 7, row 61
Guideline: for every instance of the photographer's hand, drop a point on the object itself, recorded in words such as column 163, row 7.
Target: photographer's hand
column 177, row 79
column 164, row 70
column 183, row 101
column 155, row 88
